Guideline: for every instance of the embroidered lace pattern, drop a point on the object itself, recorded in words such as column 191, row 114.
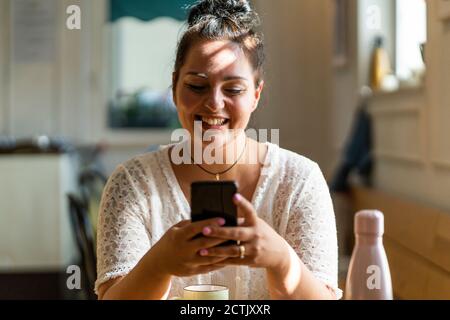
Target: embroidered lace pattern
column 142, row 199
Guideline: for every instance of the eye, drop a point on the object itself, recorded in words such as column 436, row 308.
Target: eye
column 235, row 91
column 196, row 88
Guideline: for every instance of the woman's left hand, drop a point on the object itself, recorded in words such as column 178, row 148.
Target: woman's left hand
column 263, row 246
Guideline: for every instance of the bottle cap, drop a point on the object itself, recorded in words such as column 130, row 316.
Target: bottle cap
column 369, row 222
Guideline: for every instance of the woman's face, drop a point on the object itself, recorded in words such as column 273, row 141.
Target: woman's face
column 216, row 87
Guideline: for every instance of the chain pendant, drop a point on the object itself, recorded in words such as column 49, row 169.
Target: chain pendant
column 217, row 175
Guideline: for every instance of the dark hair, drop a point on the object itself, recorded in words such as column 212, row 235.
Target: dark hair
column 232, row 20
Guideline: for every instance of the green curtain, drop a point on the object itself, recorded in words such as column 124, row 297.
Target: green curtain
column 149, row 9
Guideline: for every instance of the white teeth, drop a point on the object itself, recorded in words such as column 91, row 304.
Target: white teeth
column 213, row 121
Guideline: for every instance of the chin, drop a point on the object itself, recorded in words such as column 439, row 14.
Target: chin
column 219, row 139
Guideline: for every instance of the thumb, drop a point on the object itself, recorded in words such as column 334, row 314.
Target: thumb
column 245, row 209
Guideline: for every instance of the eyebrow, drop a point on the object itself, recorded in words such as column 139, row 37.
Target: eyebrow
column 227, row 78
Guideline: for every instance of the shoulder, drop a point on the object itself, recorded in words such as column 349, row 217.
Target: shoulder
column 293, row 173
column 292, row 164
column 142, row 166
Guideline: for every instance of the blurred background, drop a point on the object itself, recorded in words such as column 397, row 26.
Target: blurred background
column 360, row 86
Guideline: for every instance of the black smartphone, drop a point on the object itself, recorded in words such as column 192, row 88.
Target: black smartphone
column 210, row 199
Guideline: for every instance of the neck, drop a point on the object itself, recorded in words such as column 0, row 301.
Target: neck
column 218, row 156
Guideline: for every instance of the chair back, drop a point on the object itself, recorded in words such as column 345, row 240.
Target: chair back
column 83, row 231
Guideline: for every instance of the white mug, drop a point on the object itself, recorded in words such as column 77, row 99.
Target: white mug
column 204, row 292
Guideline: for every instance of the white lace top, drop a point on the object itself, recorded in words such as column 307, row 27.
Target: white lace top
column 143, row 199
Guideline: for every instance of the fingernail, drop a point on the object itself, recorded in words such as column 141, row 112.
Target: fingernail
column 221, row 221
column 206, row 230
column 237, row 197
column 203, row 252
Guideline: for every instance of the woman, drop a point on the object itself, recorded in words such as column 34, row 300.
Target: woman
column 287, row 249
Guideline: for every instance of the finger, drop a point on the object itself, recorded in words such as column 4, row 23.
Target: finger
column 245, row 209
column 203, row 261
column 235, row 262
column 224, row 251
column 205, row 243
column 230, row 233
column 195, row 228
column 240, row 221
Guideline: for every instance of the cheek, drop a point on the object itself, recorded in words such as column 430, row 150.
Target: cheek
column 242, row 109
column 187, row 101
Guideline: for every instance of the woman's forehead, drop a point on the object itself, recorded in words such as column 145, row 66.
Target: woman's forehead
column 217, row 56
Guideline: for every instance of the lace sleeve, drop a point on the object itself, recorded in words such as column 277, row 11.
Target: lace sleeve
column 122, row 234
column 311, row 230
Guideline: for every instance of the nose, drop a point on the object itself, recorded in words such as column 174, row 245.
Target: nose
column 215, row 101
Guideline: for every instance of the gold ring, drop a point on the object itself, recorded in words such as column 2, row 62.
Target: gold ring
column 241, row 252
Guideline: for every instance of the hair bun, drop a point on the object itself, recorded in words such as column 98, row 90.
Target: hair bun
column 238, row 11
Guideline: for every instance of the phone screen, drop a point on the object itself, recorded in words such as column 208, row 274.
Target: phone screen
column 210, row 199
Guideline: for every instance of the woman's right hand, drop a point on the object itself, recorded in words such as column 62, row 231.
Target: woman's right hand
column 177, row 253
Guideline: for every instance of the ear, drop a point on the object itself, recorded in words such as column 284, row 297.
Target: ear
column 258, row 94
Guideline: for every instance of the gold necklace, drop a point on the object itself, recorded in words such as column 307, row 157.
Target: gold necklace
column 217, row 174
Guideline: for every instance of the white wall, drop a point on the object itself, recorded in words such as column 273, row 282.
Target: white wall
column 46, row 96
column 345, row 85
column 298, row 83
column 4, row 67
column 35, row 226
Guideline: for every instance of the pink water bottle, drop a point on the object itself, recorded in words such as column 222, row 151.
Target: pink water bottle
column 368, row 276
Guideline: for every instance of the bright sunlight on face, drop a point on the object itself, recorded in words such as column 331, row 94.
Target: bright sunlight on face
column 216, row 87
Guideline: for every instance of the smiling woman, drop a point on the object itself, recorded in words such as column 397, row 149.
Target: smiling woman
column 226, row 78
column 148, row 248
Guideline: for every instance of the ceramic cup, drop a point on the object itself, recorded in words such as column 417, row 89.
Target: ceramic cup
column 204, row 292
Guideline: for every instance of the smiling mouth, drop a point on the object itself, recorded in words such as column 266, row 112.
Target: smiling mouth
column 211, row 121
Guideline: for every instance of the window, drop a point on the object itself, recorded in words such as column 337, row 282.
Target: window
column 144, row 36
column 411, row 36
column 402, row 27
column 143, row 57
